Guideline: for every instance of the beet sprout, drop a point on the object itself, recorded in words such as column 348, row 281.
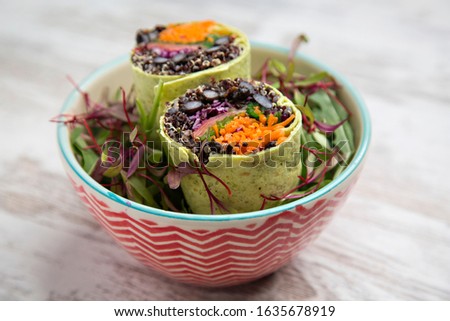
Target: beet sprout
column 83, row 93
column 332, row 96
column 118, row 115
column 296, row 45
column 207, row 172
column 124, row 104
column 327, row 128
column 92, row 136
column 264, row 70
column 212, row 198
column 263, row 205
column 161, row 190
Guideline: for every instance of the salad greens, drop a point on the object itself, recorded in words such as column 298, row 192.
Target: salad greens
column 117, row 142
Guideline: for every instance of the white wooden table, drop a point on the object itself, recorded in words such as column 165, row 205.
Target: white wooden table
column 391, row 241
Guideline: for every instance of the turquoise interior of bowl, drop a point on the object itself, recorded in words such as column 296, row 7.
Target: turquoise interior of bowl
column 360, row 121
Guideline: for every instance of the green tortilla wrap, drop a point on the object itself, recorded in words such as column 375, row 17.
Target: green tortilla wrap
column 273, row 171
column 146, row 83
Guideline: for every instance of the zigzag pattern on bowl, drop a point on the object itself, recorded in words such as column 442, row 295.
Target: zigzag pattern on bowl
column 216, row 257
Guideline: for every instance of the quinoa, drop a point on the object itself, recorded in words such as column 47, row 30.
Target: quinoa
column 187, row 113
column 177, row 59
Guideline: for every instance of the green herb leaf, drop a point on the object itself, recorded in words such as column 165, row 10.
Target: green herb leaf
column 133, row 134
column 290, row 71
column 101, row 135
column 250, row 110
column 277, row 67
column 75, row 133
column 207, row 135
column 312, row 79
column 139, row 185
column 113, row 170
column 278, row 115
column 324, row 110
column 89, row 158
column 143, row 116
column 155, row 156
column 210, row 40
column 299, row 98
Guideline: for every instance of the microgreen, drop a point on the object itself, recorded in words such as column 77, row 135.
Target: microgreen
column 325, row 120
column 117, row 141
column 250, row 110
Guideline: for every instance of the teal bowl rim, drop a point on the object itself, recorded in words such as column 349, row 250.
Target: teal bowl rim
column 69, row 157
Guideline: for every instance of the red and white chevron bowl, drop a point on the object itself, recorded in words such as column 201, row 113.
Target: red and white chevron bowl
column 213, row 250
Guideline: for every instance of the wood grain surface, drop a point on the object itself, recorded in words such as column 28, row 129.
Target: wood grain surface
column 391, row 241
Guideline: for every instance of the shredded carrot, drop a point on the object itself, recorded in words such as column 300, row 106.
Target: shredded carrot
column 247, row 135
column 272, row 120
column 216, row 130
column 262, row 118
column 287, row 121
column 190, row 32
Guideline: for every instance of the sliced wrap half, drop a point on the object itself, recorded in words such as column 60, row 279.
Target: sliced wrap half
column 246, row 138
column 181, row 45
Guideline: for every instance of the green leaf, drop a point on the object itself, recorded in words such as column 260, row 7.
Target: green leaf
column 139, row 185
column 221, row 123
column 89, row 158
column 290, row 71
column 152, row 124
column 276, row 85
column 128, row 187
column 133, row 134
column 101, row 135
column 278, row 115
column 118, row 95
column 312, row 79
column 207, row 135
column 277, row 66
column 321, row 139
column 250, row 110
column 143, row 116
column 75, row 133
column 346, row 126
column 113, row 170
column 324, row 110
column 299, row 98
column 155, row 156
column 210, row 40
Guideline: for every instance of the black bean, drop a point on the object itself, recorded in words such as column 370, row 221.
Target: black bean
column 212, row 49
column 215, row 147
column 286, row 113
column 271, row 144
column 262, row 100
column 247, row 85
column 196, row 60
column 241, row 94
column 210, row 94
column 142, row 36
column 160, row 60
column 222, row 41
column 192, row 106
column 179, row 57
column 172, row 111
column 153, row 36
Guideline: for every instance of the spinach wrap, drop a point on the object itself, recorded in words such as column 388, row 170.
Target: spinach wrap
column 185, row 55
column 232, row 141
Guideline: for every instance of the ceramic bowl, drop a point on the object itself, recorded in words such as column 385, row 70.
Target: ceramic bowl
column 214, row 250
